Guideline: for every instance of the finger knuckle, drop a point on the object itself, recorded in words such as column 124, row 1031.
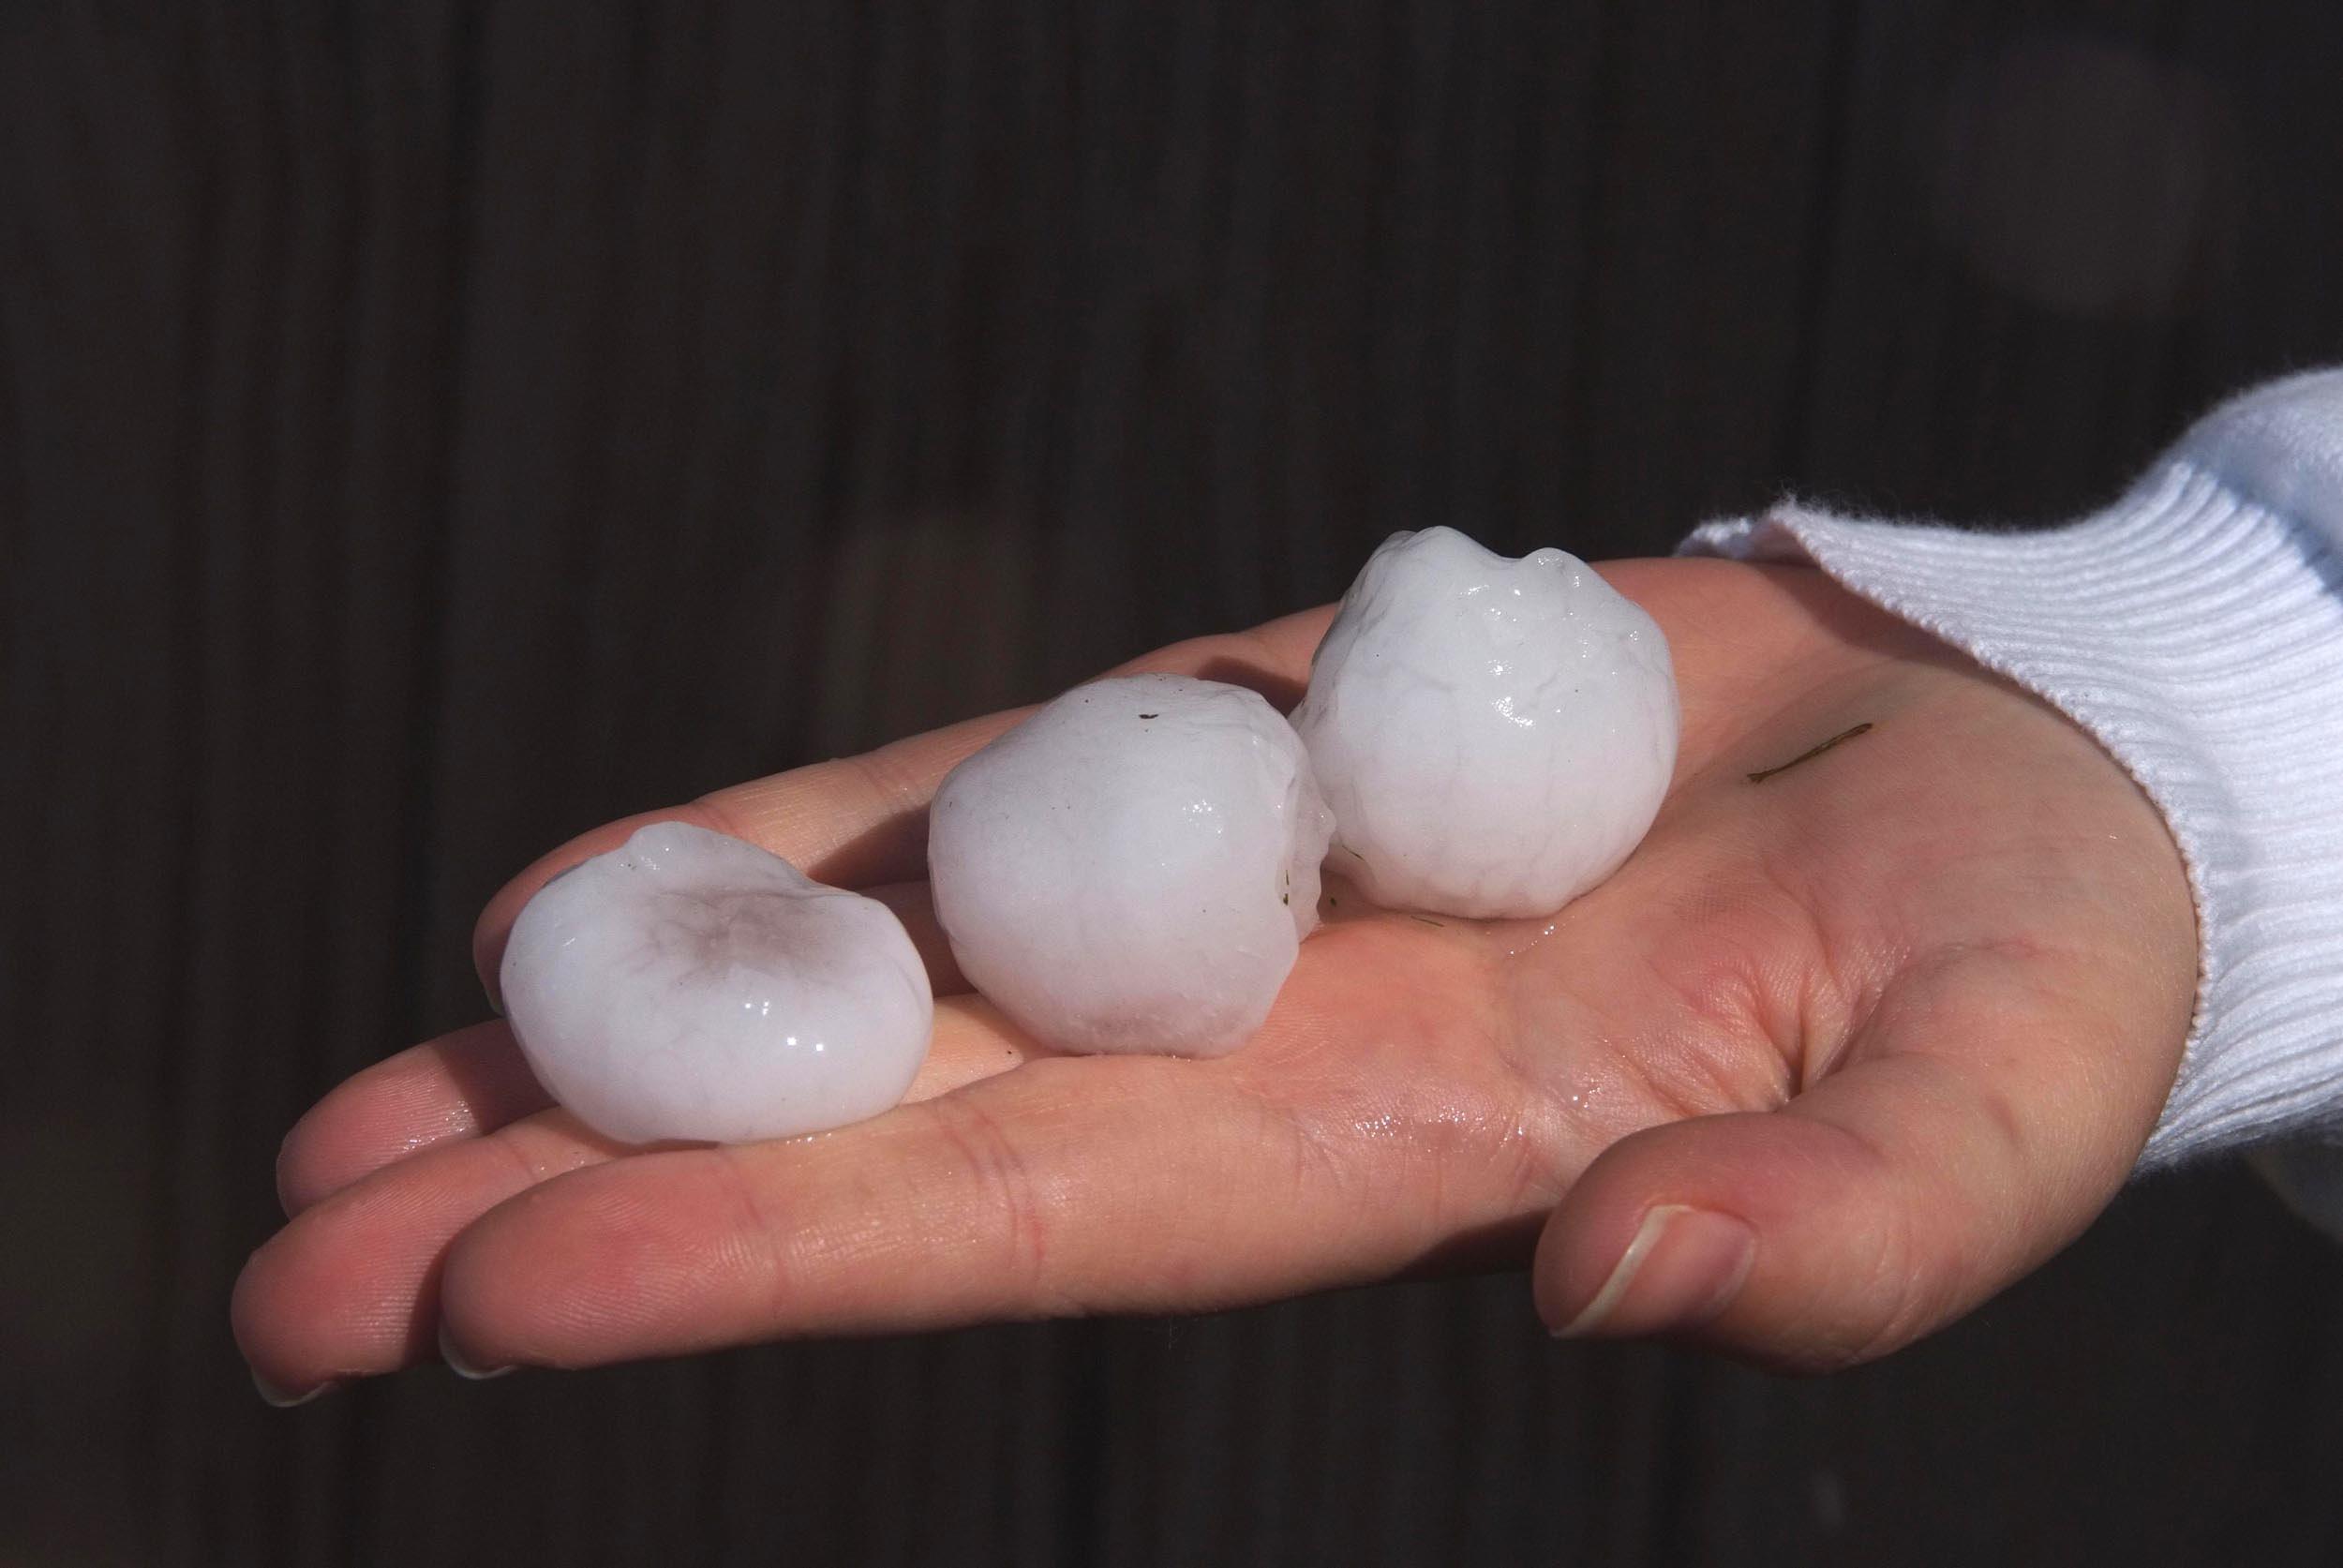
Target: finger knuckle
column 1015, row 1210
column 1892, row 1290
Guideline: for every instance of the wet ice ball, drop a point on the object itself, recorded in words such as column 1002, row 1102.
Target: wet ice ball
column 1495, row 736
column 691, row 985
column 1134, row 866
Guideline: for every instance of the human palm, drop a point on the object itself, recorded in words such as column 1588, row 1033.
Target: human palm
column 1838, row 1053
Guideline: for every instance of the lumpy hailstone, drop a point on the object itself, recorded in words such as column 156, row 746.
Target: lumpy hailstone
column 691, row 985
column 1133, row 867
column 1494, row 736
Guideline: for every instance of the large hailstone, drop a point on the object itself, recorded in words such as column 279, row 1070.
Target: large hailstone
column 1133, row 867
column 691, row 985
column 1495, row 736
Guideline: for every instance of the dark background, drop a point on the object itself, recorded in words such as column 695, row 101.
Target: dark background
column 428, row 429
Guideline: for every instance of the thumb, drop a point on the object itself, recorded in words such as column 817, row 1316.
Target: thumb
column 1969, row 1141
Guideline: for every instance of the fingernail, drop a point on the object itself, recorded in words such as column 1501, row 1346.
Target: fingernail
column 286, row 1398
column 1684, row 1267
column 463, row 1368
column 284, row 1200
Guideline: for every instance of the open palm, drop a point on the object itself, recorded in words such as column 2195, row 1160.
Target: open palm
column 1837, row 1054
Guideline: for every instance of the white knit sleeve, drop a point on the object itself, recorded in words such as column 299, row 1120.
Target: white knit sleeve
column 2196, row 629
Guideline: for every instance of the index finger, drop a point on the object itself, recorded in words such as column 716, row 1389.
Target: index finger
column 852, row 822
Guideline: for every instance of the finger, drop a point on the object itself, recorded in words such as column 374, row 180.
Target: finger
column 1981, row 1129
column 475, row 1080
column 861, row 820
column 457, row 1086
column 914, row 904
column 350, row 1286
column 1071, row 1186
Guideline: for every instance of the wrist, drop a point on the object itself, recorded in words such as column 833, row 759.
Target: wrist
column 2194, row 629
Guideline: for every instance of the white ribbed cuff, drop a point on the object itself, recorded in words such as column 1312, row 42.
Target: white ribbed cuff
column 2196, row 629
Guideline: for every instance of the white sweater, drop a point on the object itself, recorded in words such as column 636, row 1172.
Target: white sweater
column 2196, row 629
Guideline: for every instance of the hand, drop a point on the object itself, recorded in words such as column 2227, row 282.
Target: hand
column 1836, row 1055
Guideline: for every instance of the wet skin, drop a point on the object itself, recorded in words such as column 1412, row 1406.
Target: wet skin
column 1903, row 1015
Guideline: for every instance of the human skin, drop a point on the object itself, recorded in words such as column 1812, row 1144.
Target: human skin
column 1835, row 1057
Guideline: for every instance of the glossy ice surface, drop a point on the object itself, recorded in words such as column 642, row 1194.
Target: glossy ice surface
column 1134, row 866
column 691, row 985
column 1494, row 736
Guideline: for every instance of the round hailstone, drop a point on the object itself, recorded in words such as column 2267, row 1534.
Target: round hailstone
column 1495, row 736
column 691, row 985
column 1133, row 868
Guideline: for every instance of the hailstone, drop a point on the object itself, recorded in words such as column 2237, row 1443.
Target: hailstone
column 1494, row 736
column 1134, row 866
column 690, row 985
